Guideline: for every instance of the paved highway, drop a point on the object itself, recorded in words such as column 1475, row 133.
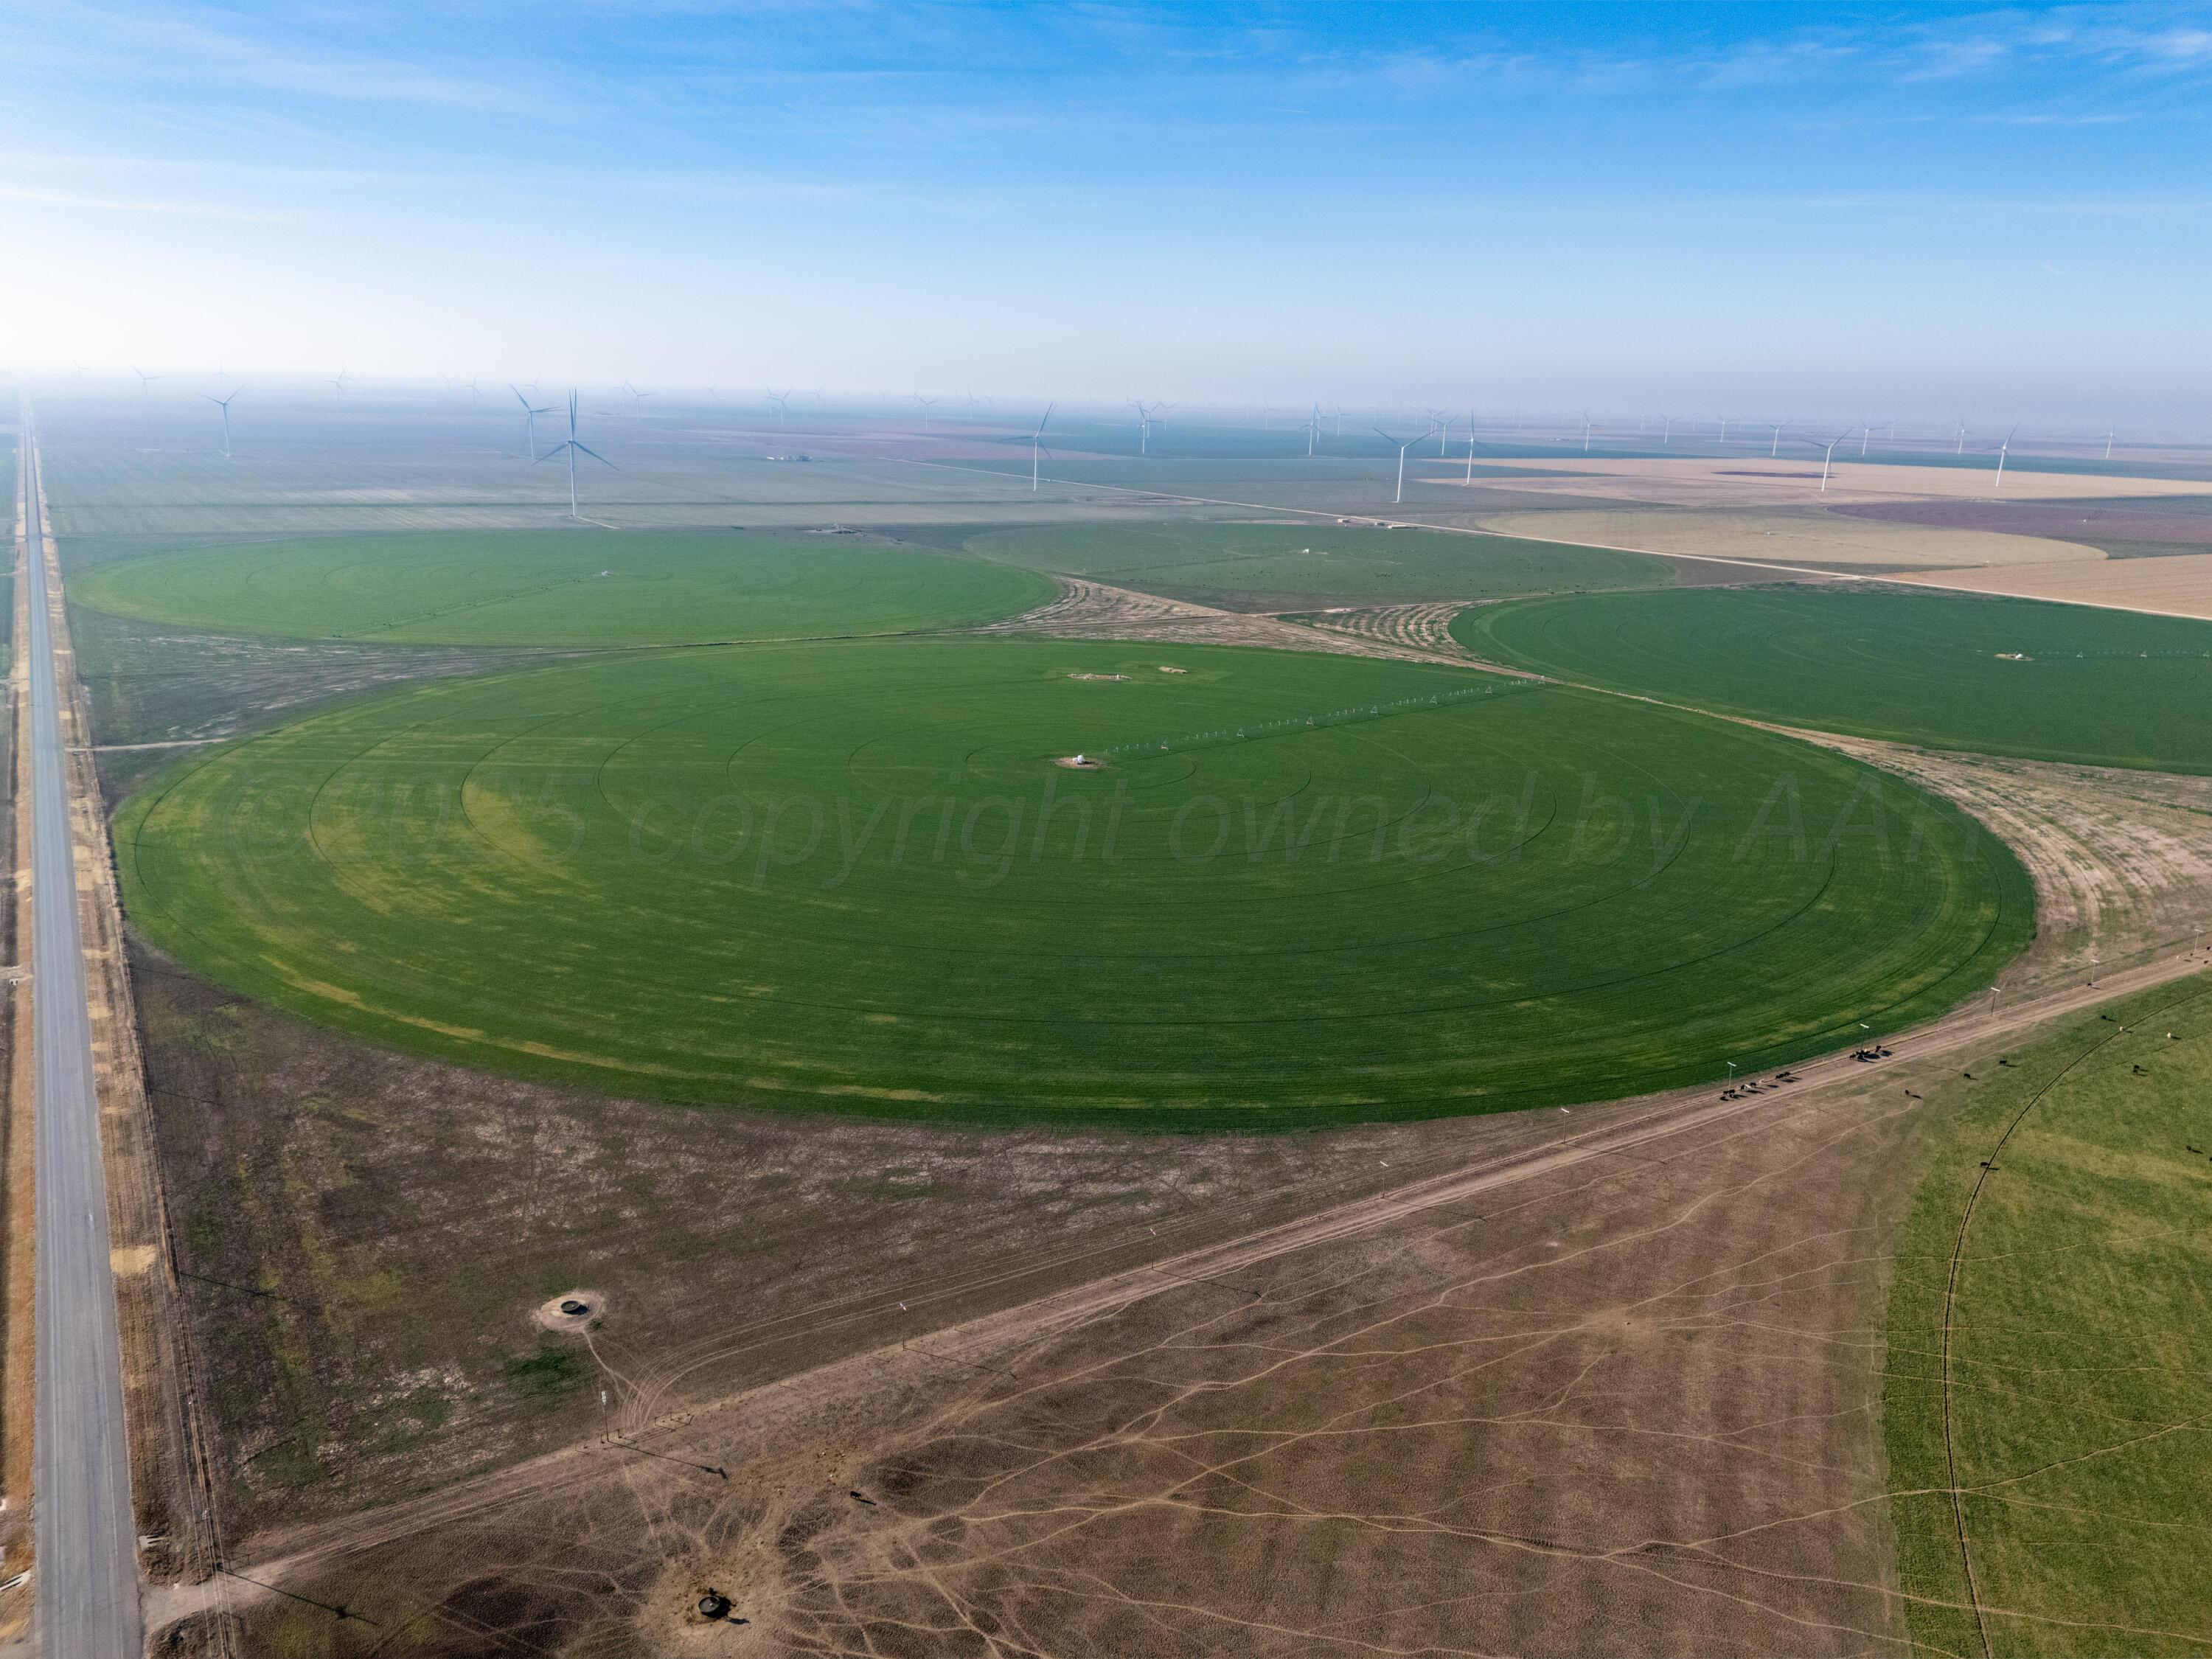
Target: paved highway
column 86, row 1566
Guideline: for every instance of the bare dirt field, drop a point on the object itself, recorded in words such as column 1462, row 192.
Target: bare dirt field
column 1811, row 537
column 1607, row 1387
column 1756, row 483
column 365, row 1240
column 2176, row 586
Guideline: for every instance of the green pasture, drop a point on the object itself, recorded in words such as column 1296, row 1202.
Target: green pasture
column 2081, row 1345
column 1281, row 566
column 2000, row 677
column 1303, row 889
column 565, row 587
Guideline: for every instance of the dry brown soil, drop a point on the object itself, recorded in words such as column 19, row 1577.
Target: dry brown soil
column 1606, row 1384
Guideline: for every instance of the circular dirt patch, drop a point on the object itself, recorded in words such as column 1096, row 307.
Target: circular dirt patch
column 553, row 1314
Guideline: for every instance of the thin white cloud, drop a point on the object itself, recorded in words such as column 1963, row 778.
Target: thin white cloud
column 170, row 206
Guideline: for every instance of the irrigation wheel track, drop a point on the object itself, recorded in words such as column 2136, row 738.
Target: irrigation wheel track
column 1950, row 1302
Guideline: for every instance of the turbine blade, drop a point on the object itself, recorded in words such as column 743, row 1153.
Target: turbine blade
column 596, row 456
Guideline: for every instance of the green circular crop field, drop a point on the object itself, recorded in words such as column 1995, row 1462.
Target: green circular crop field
column 1997, row 676
column 1300, row 889
column 568, row 587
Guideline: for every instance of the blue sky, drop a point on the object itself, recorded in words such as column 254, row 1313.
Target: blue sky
column 1931, row 209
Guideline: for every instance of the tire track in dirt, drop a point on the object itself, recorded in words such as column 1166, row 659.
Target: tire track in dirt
column 287, row 1556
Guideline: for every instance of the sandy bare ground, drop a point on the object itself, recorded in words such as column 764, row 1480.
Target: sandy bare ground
column 1092, row 611
column 1807, row 536
column 1758, row 482
column 1608, row 1387
column 2178, row 586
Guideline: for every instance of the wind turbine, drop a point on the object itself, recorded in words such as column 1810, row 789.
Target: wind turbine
column 1036, row 446
column 1774, row 450
column 1145, row 413
column 475, row 390
column 339, row 384
column 782, row 402
column 1470, row 446
column 1667, row 434
column 1829, row 456
column 1313, row 431
column 571, row 448
column 1865, row 432
column 1586, row 426
column 927, row 404
column 2109, row 432
column 636, row 398
column 223, row 403
column 1403, row 447
column 529, row 421
column 1961, row 448
column 1724, row 421
column 1440, row 419
column 2003, row 449
column 144, row 379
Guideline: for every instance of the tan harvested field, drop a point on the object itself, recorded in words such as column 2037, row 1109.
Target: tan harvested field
column 1807, row 537
column 1605, row 1383
column 1756, row 483
column 2177, row 587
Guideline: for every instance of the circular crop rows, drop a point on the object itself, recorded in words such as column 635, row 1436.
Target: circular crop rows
column 1302, row 889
